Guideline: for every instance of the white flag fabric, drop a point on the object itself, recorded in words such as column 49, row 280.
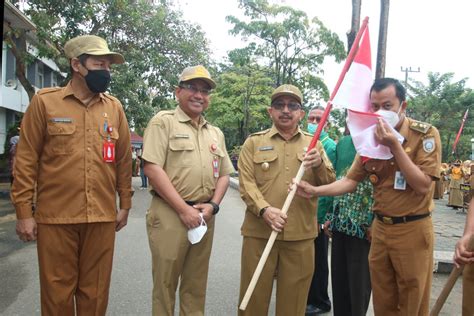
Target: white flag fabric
column 362, row 126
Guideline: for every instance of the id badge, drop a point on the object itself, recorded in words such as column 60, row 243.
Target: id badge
column 400, row 182
column 215, row 167
column 108, row 151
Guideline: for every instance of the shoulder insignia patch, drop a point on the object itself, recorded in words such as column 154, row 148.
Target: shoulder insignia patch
column 260, row 133
column 420, row 126
column 165, row 112
column 49, row 90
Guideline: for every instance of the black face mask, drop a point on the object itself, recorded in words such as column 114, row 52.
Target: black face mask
column 97, row 80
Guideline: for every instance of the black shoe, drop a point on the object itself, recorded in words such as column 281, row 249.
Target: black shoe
column 312, row 310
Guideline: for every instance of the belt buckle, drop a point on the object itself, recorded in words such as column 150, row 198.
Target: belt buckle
column 387, row 220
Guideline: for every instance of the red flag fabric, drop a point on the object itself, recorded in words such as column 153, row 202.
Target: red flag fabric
column 460, row 131
column 354, row 91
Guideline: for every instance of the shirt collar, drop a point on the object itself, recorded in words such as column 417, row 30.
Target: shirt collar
column 274, row 131
column 183, row 117
column 68, row 90
column 404, row 128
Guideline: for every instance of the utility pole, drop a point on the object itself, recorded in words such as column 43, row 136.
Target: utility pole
column 407, row 70
column 382, row 45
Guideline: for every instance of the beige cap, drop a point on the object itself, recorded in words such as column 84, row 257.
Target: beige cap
column 92, row 45
column 197, row 72
column 289, row 90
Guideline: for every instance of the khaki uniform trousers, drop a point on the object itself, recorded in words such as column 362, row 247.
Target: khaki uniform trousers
column 75, row 263
column 295, row 263
column 401, row 267
column 173, row 256
column 468, row 290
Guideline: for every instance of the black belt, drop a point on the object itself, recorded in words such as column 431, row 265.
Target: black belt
column 391, row 220
column 191, row 203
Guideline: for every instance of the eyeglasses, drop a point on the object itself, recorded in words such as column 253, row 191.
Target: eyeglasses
column 195, row 89
column 293, row 106
column 313, row 119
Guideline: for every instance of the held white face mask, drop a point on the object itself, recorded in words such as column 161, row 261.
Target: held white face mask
column 392, row 118
column 195, row 234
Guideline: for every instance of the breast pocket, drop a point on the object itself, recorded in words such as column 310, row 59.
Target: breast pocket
column 181, row 152
column 62, row 137
column 266, row 165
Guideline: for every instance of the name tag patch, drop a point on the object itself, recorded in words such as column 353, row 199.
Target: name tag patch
column 61, row 120
column 181, row 136
column 265, row 148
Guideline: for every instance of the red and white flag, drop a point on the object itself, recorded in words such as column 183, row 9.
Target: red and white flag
column 460, row 131
column 354, row 95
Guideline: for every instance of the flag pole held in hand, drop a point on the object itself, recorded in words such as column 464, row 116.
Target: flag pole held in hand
column 299, row 175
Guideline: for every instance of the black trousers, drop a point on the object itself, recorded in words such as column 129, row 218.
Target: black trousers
column 350, row 275
column 318, row 291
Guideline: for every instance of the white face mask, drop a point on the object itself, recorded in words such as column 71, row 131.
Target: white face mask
column 197, row 233
column 392, row 118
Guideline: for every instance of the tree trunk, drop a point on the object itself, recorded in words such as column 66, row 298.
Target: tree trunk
column 382, row 46
column 355, row 24
column 20, row 63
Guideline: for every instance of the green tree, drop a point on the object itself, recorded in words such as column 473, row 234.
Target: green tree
column 240, row 101
column 154, row 39
column 289, row 44
column 443, row 103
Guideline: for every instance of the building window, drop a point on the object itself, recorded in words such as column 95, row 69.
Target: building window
column 54, row 79
column 40, row 75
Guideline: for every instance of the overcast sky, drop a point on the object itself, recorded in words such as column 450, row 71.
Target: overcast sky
column 434, row 35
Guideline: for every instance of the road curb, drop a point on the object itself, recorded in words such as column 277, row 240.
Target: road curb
column 443, row 261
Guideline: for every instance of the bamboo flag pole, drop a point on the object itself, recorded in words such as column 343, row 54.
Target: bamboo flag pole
column 299, row 175
column 455, row 273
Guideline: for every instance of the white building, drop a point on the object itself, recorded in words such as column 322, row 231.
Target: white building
column 40, row 73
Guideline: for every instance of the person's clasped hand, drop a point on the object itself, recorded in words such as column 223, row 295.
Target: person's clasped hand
column 275, row 218
column 312, row 159
column 461, row 255
column 384, row 134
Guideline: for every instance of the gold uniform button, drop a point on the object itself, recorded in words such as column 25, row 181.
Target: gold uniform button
column 373, row 178
column 265, row 166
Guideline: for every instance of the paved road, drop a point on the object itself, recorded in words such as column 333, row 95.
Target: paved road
column 130, row 292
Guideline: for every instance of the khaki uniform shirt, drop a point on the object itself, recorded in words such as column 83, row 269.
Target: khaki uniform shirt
column 267, row 165
column 60, row 148
column 187, row 153
column 422, row 144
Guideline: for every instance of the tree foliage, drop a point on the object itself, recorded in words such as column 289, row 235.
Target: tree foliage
column 289, row 44
column 153, row 37
column 443, row 103
column 240, row 101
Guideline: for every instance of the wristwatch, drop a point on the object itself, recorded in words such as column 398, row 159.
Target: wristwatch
column 262, row 211
column 215, row 207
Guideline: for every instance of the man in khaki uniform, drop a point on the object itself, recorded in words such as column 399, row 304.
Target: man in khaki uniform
column 75, row 145
column 188, row 168
column 268, row 161
column 401, row 254
column 464, row 257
